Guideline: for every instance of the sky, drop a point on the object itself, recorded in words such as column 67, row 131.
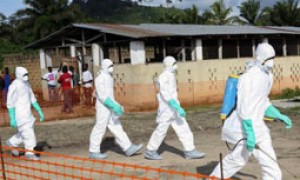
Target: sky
column 9, row 7
column 205, row 4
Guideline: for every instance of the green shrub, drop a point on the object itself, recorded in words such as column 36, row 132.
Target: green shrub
column 288, row 93
column 297, row 91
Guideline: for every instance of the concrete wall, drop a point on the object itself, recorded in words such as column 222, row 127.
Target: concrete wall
column 30, row 62
column 199, row 82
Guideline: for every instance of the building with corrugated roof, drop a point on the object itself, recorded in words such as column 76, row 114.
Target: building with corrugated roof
column 207, row 54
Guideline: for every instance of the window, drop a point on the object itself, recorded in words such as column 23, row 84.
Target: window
column 229, row 48
column 292, row 46
column 154, row 50
column 118, row 53
column 173, row 48
column 180, row 49
column 277, row 44
column 245, row 47
column 188, row 49
column 111, row 52
column 210, row 49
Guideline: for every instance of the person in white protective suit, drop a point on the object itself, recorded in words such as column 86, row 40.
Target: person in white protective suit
column 19, row 100
column 170, row 113
column 107, row 115
column 245, row 127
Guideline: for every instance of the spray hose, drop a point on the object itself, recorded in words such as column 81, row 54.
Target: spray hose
column 264, row 152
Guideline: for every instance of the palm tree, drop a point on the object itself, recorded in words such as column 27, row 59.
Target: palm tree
column 7, row 32
column 192, row 16
column 46, row 16
column 251, row 12
column 218, row 14
column 285, row 13
column 3, row 26
column 187, row 16
column 2, row 18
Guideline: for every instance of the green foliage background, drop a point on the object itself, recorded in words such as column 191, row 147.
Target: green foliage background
column 288, row 93
column 41, row 18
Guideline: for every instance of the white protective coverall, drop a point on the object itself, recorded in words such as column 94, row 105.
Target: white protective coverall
column 167, row 115
column 252, row 101
column 105, row 117
column 21, row 97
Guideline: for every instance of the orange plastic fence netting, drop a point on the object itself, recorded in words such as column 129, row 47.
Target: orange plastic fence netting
column 57, row 166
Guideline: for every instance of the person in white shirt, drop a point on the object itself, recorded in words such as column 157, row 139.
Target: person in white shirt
column 50, row 77
column 87, row 82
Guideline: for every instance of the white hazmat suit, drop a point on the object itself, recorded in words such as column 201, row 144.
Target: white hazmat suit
column 19, row 99
column 170, row 113
column 252, row 102
column 107, row 115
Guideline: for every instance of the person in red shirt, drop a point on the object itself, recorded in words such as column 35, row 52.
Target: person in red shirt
column 65, row 81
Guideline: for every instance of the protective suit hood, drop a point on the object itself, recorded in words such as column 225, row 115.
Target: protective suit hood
column 107, row 66
column 21, row 73
column 265, row 55
column 170, row 64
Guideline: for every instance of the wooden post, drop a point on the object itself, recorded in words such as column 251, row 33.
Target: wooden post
column 221, row 166
column 2, row 161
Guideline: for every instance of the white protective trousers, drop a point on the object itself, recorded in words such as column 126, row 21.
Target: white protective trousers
column 252, row 101
column 20, row 97
column 167, row 116
column 25, row 135
column 105, row 117
column 237, row 159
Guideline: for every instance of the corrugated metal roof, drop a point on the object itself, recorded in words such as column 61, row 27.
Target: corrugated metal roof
column 196, row 30
column 160, row 30
column 152, row 30
column 295, row 30
column 122, row 30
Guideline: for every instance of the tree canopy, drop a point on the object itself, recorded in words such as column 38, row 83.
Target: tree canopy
column 251, row 12
column 219, row 14
column 285, row 13
column 42, row 17
column 45, row 17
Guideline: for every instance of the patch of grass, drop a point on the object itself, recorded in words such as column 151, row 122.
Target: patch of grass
column 288, row 93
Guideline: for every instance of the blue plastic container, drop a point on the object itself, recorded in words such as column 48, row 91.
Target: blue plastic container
column 230, row 96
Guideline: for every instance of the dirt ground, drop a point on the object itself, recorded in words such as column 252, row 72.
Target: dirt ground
column 205, row 125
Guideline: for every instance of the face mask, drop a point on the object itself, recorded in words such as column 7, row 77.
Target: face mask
column 25, row 77
column 175, row 67
column 111, row 69
column 269, row 64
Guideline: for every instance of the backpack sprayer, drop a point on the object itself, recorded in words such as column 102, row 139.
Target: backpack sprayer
column 229, row 105
column 230, row 98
